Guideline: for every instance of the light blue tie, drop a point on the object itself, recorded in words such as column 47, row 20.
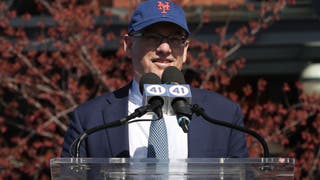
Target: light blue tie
column 158, row 140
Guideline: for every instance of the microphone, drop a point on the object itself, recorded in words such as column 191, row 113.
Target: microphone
column 154, row 94
column 179, row 96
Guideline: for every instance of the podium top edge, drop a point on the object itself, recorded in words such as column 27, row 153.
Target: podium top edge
column 278, row 160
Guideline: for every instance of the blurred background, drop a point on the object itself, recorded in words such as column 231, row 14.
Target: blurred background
column 56, row 54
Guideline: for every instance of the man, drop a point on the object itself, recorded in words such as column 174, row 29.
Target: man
column 157, row 38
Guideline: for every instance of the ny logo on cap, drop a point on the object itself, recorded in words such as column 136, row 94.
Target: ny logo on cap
column 164, row 7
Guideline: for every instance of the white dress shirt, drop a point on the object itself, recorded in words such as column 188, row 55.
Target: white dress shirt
column 139, row 131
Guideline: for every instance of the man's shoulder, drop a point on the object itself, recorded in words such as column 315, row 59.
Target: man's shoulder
column 216, row 105
column 210, row 96
column 106, row 98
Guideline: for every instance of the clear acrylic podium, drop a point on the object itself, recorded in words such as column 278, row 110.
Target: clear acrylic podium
column 193, row 168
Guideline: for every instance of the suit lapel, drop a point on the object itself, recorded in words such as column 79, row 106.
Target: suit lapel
column 117, row 108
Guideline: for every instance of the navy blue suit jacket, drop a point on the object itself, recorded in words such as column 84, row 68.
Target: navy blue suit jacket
column 205, row 140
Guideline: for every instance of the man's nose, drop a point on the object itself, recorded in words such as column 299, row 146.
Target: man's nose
column 164, row 47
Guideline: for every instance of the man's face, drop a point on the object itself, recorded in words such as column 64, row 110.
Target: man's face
column 156, row 47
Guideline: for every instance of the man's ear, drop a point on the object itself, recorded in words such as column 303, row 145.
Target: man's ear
column 127, row 45
column 185, row 51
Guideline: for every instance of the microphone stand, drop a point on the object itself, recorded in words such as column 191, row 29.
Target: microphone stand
column 137, row 113
column 200, row 112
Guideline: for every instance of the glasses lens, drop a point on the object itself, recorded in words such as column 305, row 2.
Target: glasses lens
column 176, row 40
column 155, row 39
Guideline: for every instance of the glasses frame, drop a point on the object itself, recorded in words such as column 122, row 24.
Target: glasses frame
column 142, row 34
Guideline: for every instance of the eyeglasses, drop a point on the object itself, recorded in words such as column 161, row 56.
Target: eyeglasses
column 155, row 39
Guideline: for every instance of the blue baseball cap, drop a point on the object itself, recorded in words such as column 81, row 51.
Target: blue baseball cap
column 153, row 11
